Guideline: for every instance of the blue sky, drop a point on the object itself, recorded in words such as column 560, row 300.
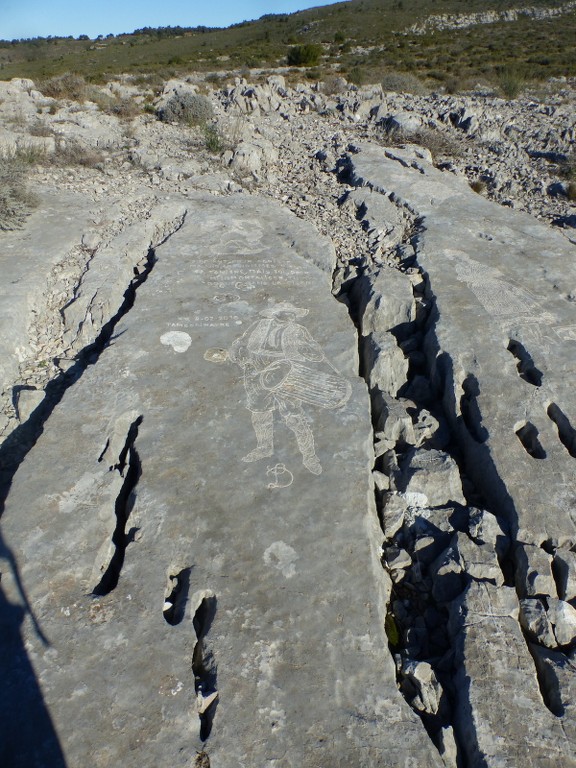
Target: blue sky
column 40, row 18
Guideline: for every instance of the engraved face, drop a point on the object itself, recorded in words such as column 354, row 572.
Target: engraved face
column 285, row 317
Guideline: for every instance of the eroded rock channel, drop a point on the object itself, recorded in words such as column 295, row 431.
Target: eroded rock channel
column 300, row 500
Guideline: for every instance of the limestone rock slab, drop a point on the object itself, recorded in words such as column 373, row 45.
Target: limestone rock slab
column 58, row 224
column 191, row 547
column 494, row 665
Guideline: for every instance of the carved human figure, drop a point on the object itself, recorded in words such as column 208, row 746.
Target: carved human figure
column 283, row 368
column 498, row 296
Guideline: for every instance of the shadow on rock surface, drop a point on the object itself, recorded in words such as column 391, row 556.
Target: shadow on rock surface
column 27, row 735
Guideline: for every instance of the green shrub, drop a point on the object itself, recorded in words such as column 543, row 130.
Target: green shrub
column 307, row 55
column 313, row 74
column 453, row 84
column 213, row 139
column 15, row 200
column 357, row 76
column 511, row 83
column 571, row 191
column 190, row 108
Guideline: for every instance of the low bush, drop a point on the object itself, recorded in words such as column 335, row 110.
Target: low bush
column 478, row 186
column 66, row 86
column 332, row 85
column 70, row 152
column 153, row 82
column 511, row 83
column 568, row 167
column 403, row 82
column 357, row 76
column 189, row 108
column 31, row 153
column 440, row 145
column 38, row 128
column 124, row 108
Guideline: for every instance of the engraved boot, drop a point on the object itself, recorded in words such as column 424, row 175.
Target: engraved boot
column 305, row 440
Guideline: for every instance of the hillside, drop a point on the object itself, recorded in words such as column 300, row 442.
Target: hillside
column 446, row 42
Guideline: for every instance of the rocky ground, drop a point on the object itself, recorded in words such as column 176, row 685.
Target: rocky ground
column 286, row 143
column 480, row 601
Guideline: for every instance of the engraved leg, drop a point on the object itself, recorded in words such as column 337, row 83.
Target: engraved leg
column 263, row 423
column 305, row 439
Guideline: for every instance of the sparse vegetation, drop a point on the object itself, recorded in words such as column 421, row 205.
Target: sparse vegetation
column 31, row 153
column 568, row 167
column 70, row 152
column 40, row 129
column 403, row 82
column 189, row 108
column 202, row 760
column 125, row 108
column 16, row 202
column 439, row 144
column 332, row 85
column 357, row 75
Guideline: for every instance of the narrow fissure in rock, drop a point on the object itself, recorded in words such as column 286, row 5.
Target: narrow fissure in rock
column 123, row 507
column 175, row 601
column 525, row 367
column 416, row 620
column 204, row 666
column 470, row 411
column 566, row 431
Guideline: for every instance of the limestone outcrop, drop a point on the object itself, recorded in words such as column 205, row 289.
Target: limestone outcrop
column 288, row 435
column 495, row 361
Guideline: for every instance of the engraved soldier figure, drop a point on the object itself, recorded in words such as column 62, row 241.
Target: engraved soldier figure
column 283, row 368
